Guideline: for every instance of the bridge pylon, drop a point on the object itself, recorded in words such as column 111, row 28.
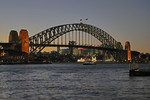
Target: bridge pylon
column 128, row 48
column 24, row 38
column 13, row 36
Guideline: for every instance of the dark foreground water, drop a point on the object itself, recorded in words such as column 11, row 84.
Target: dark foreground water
column 71, row 82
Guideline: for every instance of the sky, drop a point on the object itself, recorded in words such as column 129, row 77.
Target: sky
column 124, row 20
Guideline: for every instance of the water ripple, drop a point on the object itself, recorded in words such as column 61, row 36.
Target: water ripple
column 71, row 82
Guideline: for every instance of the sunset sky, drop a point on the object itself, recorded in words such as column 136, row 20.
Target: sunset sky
column 124, row 20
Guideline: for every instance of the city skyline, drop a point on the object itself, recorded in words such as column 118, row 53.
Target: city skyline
column 124, row 20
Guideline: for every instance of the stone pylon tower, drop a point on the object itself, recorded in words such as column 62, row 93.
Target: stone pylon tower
column 13, row 36
column 128, row 48
column 24, row 39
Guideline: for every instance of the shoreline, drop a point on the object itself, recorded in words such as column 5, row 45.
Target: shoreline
column 64, row 63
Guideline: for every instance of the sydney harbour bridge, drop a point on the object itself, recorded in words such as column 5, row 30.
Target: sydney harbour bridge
column 76, row 35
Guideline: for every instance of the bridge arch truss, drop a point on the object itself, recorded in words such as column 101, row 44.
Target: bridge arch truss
column 49, row 35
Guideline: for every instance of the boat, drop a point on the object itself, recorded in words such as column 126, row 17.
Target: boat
column 134, row 70
column 89, row 63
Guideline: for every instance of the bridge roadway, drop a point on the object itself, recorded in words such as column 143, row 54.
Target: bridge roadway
column 5, row 44
column 79, row 46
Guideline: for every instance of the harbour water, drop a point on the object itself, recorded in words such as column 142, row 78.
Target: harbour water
column 71, row 82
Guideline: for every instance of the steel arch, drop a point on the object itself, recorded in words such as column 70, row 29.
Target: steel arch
column 49, row 35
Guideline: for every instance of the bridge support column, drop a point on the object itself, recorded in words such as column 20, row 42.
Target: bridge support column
column 93, row 51
column 71, row 50
column 104, row 53
column 58, row 49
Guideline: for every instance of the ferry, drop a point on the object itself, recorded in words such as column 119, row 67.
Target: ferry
column 89, row 63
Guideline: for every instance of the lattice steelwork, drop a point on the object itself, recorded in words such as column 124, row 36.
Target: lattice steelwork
column 82, row 34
